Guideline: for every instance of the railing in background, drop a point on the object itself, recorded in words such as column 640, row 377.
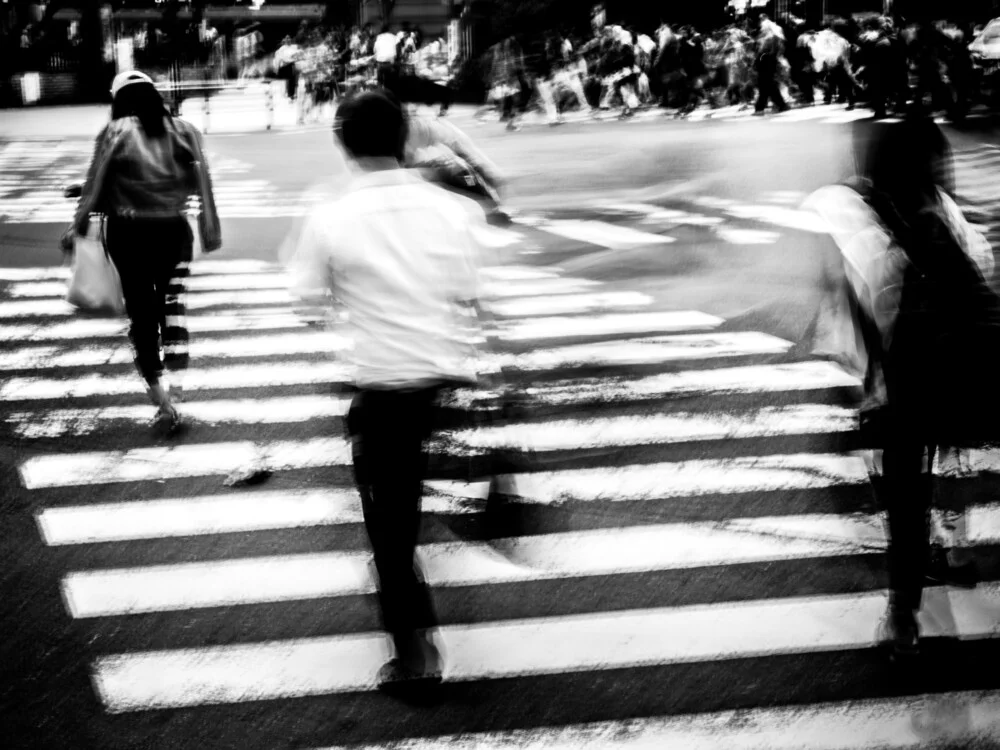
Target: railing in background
column 178, row 91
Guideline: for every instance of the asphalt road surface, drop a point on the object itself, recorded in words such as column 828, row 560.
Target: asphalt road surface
column 697, row 560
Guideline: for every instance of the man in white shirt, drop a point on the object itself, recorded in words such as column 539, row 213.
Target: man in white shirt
column 402, row 258
column 385, row 57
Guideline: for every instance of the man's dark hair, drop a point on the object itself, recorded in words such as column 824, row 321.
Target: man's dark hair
column 371, row 124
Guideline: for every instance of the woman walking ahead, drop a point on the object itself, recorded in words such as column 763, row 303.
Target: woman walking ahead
column 145, row 167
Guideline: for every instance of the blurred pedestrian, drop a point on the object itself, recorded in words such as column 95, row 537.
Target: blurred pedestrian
column 401, row 256
column 929, row 327
column 506, row 74
column 769, row 51
column 146, row 165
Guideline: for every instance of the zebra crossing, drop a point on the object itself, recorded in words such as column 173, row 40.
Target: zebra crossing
column 33, row 175
column 698, row 571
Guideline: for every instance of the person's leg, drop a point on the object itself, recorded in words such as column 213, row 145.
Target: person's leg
column 390, row 463
column 763, row 91
column 139, row 290
column 171, row 284
column 907, row 500
column 143, row 305
column 548, row 101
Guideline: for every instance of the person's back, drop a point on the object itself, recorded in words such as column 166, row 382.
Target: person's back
column 401, row 259
column 150, row 174
column 402, row 256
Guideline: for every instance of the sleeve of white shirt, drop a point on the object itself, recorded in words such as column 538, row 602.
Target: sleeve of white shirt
column 310, row 265
column 468, row 279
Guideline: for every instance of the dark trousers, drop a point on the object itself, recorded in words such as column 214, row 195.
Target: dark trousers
column 840, row 85
column 388, row 430
column 151, row 256
column 416, row 90
column 291, row 76
column 908, row 492
column 767, row 86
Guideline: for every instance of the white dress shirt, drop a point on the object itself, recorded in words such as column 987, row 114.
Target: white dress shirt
column 403, row 262
column 385, row 48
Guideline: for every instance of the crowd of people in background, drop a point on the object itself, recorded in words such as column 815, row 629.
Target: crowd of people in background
column 879, row 62
column 321, row 65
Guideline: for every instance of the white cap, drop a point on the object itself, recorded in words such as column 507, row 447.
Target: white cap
column 124, row 79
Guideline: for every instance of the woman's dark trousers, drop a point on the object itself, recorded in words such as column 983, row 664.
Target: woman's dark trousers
column 152, row 257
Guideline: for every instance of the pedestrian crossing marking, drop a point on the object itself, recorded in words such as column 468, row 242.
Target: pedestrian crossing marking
column 216, row 514
column 660, row 429
column 654, row 350
column 203, row 676
column 520, row 648
column 78, row 422
column 193, row 460
column 542, row 557
column 49, row 356
column 611, row 236
column 180, row 461
column 805, row 376
column 881, row 724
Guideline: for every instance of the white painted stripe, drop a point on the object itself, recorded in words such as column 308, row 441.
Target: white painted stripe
column 217, row 514
column 652, row 350
column 238, row 376
column 58, row 470
column 317, row 666
column 53, row 306
column 799, row 376
column 202, row 266
column 326, row 342
column 616, row 551
column 48, row 357
column 178, row 461
column 658, row 214
column 506, row 288
column 597, row 325
column 231, row 513
column 87, row 328
column 765, row 378
column 566, row 304
column 78, row 422
column 910, row 723
column 659, row 429
column 696, row 478
column 639, row 351
column 249, row 278
column 746, row 236
column 777, row 215
column 603, row 234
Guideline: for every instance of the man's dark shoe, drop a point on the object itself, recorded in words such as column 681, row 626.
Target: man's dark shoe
column 396, row 678
column 415, row 675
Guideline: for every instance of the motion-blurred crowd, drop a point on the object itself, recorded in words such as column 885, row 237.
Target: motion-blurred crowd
column 320, row 65
column 879, row 63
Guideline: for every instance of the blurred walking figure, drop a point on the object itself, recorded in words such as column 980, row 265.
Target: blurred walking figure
column 506, row 75
column 402, row 260
column 146, row 165
column 770, row 45
column 927, row 327
column 284, row 62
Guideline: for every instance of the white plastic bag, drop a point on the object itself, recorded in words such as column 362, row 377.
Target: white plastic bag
column 94, row 284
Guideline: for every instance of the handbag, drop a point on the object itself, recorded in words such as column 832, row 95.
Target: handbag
column 94, row 285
